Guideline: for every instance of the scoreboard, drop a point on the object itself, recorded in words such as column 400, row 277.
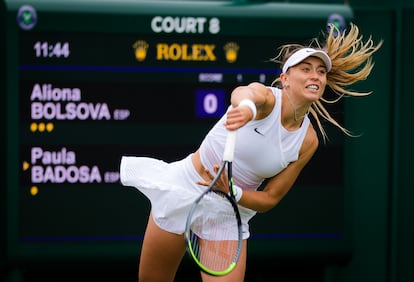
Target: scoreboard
column 89, row 81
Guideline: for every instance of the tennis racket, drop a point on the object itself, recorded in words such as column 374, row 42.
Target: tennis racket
column 213, row 232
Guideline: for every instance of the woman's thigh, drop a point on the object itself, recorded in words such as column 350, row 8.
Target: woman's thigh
column 237, row 275
column 161, row 254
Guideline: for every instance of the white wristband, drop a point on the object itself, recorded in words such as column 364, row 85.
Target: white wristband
column 251, row 105
column 238, row 192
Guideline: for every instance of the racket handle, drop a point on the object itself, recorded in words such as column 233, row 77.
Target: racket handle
column 229, row 147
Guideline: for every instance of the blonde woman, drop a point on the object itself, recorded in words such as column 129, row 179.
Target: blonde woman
column 276, row 139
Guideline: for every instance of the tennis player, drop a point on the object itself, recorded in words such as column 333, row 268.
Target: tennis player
column 276, row 139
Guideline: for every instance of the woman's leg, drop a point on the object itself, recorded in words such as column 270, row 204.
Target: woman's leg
column 237, row 275
column 161, row 254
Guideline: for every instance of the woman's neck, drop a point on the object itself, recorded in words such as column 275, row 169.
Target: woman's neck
column 293, row 115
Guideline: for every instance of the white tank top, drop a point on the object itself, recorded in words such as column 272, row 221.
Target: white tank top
column 263, row 147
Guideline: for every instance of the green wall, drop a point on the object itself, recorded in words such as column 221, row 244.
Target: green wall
column 403, row 192
column 382, row 204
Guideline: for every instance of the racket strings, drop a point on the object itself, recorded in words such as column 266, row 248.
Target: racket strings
column 213, row 239
column 218, row 255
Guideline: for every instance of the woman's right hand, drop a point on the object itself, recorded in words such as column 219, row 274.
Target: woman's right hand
column 237, row 117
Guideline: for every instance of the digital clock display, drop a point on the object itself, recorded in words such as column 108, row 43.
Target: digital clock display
column 46, row 49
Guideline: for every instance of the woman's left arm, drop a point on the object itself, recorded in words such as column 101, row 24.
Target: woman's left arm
column 278, row 186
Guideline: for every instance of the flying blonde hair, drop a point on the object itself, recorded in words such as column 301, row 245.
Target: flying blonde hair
column 351, row 62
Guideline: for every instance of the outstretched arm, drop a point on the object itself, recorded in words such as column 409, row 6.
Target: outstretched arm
column 278, row 186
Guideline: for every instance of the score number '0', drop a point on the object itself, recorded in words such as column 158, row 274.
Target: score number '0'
column 210, row 103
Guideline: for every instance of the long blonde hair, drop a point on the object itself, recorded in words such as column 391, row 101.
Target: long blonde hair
column 351, row 62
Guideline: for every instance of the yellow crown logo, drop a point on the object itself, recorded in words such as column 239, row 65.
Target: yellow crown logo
column 140, row 47
column 231, row 49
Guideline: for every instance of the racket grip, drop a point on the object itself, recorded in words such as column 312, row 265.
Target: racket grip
column 228, row 154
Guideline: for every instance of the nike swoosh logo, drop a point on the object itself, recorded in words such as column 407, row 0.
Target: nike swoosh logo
column 257, row 131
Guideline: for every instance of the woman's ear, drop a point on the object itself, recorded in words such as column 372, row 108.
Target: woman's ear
column 284, row 79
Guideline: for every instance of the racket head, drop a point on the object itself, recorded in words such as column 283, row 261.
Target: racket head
column 213, row 233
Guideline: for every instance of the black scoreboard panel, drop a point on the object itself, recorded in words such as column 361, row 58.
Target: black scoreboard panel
column 88, row 82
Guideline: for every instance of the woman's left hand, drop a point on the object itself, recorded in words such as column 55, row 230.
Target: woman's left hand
column 222, row 183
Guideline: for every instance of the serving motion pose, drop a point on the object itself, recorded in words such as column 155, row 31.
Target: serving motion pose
column 276, row 139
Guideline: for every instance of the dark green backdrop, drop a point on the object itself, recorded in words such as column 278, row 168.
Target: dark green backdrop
column 358, row 224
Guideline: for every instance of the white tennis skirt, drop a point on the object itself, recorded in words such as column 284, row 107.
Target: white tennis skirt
column 171, row 188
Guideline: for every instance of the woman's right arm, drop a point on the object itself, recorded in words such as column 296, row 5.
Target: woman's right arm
column 259, row 94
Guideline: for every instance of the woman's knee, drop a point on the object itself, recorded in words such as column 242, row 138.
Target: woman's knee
column 161, row 254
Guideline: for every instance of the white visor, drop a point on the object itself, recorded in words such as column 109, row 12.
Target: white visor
column 304, row 53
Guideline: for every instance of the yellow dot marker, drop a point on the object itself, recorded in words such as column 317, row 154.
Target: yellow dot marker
column 26, row 166
column 42, row 126
column 50, row 126
column 34, row 190
column 33, row 127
